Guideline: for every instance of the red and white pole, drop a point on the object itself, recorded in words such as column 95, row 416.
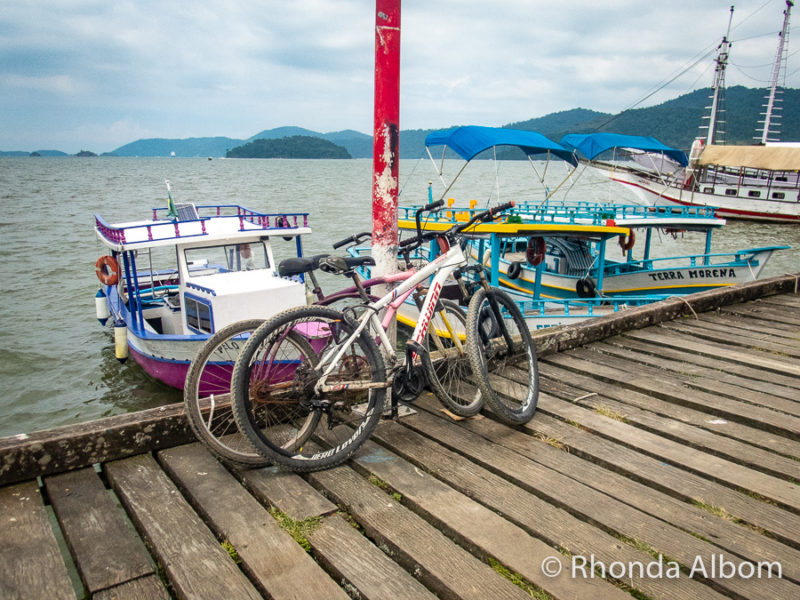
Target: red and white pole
column 385, row 155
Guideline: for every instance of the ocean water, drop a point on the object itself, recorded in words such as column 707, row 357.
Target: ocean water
column 57, row 364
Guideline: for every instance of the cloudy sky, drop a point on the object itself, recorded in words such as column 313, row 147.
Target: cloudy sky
column 97, row 74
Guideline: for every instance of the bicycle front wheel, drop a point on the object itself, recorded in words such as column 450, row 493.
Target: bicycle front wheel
column 448, row 367
column 207, row 395
column 275, row 402
column 503, row 356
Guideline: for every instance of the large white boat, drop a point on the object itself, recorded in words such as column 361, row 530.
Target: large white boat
column 170, row 282
column 758, row 182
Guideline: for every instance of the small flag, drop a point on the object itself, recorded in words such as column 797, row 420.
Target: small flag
column 171, row 210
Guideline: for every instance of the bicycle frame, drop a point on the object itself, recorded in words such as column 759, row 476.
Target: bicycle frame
column 443, row 266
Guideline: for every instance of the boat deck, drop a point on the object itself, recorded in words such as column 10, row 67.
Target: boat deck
column 678, row 440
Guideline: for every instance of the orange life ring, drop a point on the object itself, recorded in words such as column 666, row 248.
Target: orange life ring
column 107, row 270
column 534, row 253
column 626, row 243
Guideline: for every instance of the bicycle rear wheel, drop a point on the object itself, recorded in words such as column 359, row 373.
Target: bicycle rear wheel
column 449, row 371
column 207, row 395
column 275, row 403
column 503, row 356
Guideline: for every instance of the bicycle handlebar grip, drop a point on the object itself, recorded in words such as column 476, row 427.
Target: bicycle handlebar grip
column 495, row 210
column 408, row 242
column 352, row 239
column 431, row 206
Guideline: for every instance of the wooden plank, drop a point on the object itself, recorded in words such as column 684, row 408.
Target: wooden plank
column 707, row 384
column 754, row 344
column 752, row 325
column 106, row 550
column 779, row 372
column 791, row 300
column 562, row 383
column 562, row 491
column 28, row 548
column 441, row 565
column 708, row 466
column 360, row 565
column 701, row 439
column 269, row 555
column 665, row 389
column 742, row 332
column 195, row 563
column 731, row 537
column 663, row 476
column 287, row 491
column 145, row 588
column 765, row 313
column 689, row 364
column 76, row 446
column 534, row 515
column 465, row 519
column 354, row 561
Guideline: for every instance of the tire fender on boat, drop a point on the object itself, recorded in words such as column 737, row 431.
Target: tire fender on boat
column 534, row 252
column 107, row 270
column 514, row 269
column 627, row 242
column 585, row 288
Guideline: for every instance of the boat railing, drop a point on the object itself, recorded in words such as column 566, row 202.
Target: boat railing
column 164, row 227
column 568, row 308
column 728, row 260
column 578, row 212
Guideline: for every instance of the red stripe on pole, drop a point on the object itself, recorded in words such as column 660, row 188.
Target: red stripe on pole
column 386, row 135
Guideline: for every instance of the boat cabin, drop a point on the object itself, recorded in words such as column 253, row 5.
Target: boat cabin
column 196, row 273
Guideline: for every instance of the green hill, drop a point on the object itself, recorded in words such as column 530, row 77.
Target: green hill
column 675, row 122
column 296, row 146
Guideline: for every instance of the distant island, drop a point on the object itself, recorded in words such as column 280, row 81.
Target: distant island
column 296, row 146
column 675, row 122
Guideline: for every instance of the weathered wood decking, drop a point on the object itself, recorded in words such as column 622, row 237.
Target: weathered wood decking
column 679, row 439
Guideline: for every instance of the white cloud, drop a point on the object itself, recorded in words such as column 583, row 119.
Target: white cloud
column 233, row 67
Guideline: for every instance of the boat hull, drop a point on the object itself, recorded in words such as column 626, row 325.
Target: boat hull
column 653, row 192
column 640, row 281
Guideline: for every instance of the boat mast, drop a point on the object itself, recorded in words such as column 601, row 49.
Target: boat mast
column 780, row 61
column 718, row 87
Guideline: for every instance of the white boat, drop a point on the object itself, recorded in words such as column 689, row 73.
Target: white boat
column 171, row 281
column 752, row 182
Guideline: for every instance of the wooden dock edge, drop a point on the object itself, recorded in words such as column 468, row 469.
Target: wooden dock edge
column 27, row 456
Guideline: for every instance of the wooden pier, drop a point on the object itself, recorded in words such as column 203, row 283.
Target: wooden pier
column 663, row 462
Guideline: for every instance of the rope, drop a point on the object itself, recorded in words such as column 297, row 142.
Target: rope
column 686, row 302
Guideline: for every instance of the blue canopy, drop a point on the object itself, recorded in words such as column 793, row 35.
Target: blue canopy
column 593, row 144
column 470, row 140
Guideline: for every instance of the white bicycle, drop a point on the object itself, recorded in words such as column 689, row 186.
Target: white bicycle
column 310, row 384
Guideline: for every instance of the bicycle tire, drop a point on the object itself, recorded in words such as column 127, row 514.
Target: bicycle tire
column 508, row 380
column 207, row 397
column 275, row 405
column 450, row 373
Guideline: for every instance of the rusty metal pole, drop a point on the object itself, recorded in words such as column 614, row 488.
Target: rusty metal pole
column 386, row 132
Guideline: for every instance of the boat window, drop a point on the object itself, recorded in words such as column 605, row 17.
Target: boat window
column 708, row 190
column 778, row 196
column 209, row 260
column 754, row 194
column 730, row 192
column 198, row 315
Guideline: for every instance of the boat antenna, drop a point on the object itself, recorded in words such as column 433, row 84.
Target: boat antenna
column 718, row 88
column 780, row 65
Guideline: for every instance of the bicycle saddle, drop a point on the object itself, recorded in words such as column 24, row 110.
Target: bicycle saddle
column 298, row 265
column 342, row 264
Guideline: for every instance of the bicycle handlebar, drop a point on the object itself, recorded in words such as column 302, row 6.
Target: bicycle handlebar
column 483, row 216
column 353, row 239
